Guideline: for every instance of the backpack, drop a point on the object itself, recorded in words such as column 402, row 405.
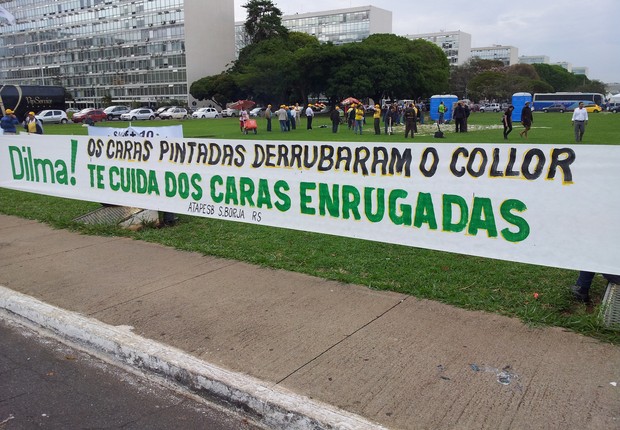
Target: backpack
column 439, row 134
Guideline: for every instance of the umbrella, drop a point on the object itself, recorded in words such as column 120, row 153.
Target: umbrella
column 350, row 100
column 242, row 104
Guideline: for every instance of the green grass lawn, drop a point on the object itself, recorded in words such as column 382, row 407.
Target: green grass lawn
column 469, row 282
column 552, row 128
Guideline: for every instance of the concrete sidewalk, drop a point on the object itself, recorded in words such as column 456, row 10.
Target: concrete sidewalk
column 392, row 359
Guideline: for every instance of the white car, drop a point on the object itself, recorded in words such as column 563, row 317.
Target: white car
column 206, row 112
column 257, row 111
column 230, row 112
column 174, row 113
column 495, row 107
column 52, row 116
column 136, row 114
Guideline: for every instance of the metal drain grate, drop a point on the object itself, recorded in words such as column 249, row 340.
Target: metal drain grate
column 110, row 215
column 610, row 308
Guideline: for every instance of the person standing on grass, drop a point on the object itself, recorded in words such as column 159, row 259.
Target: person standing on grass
column 282, row 117
column 309, row 117
column 459, row 117
column 334, row 116
column 526, row 119
column 392, row 118
column 507, row 121
column 32, row 124
column 410, row 119
column 243, row 117
column 268, row 117
column 359, row 119
column 377, row 119
column 580, row 120
column 442, row 112
column 351, row 117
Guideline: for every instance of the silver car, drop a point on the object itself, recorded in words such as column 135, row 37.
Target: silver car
column 52, row 116
column 136, row 114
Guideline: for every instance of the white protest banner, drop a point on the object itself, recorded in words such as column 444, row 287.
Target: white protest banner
column 554, row 205
column 133, row 131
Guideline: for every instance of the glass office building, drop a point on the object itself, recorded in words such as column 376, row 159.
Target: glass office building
column 508, row 55
column 455, row 44
column 134, row 51
column 336, row 26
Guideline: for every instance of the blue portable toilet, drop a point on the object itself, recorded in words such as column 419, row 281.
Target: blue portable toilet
column 518, row 101
column 448, row 100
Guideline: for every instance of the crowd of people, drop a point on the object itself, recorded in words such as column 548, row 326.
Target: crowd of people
column 31, row 124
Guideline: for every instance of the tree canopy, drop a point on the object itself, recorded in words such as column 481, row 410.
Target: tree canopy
column 264, row 21
column 486, row 79
column 294, row 67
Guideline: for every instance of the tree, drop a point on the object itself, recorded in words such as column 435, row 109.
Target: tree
column 525, row 70
column 106, row 100
column 221, row 88
column 556, row 76
column 589, row 86
column 460, row 76
column 488, row 85
column 264, row 21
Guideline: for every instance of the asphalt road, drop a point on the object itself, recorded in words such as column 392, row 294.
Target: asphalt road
column 47, row 385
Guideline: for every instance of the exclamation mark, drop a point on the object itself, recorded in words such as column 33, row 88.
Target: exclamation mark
column 74, row 147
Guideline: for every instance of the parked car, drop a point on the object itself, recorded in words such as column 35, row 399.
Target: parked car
column 206, row 112
column 89, row 114
column 72, row 110
column 136, row 114
column 115, row 112
column 555, row 107
column 491, row 107
column 593, row 108
column 174, row 113
column 230, row 112
column 258, row 111
column 162, row 109
column 52, row 116
column 614, row 107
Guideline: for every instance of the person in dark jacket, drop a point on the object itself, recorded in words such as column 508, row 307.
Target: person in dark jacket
column 507, row 121
column 459, row 117
column 526, row 119
column 392, row 118
column 334, row 116
column 9, row 122
column 410, row 119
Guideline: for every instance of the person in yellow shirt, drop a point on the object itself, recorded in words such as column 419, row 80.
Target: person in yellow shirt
column 377, row 117
column 359, row 119
column 32, row 124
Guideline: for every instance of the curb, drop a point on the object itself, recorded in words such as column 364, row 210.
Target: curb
column 272, row 406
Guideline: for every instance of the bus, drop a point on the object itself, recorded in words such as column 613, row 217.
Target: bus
column 26, row 98
column 569, row 100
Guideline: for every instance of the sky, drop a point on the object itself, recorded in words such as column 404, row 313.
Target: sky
column 580, row 32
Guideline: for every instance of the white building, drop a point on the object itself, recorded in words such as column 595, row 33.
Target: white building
column 509, row 55
column 140, row 51
column 455, row 44
column 533, row 59
column 580, row 70
column 565, row 65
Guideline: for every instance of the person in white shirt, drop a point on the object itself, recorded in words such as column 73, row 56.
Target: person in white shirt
column 580, row 120
column 309, row 116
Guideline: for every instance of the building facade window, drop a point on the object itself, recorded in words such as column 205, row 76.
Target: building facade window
column 128, row 49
